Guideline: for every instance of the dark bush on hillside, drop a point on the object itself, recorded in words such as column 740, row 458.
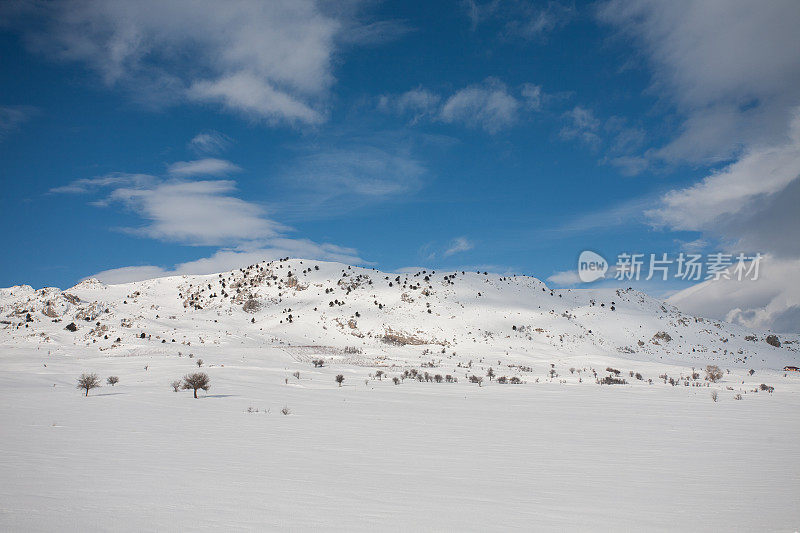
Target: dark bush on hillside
column 611, row 380
column 773, row 340
column 71, row 327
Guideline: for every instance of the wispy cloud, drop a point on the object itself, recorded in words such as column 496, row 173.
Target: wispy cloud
column 489, row 105
column 531, row 21
column 583, row 125
column 12, row 116
column 203, row 167
column 209, row 142
column 459, row 244
column 116, row 179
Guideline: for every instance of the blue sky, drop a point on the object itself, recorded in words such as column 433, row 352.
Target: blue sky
column 506, row 136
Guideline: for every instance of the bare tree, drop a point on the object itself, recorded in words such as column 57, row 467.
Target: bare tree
column 197, row 380
column 88, row 382
column 112, row 380
column 199, row 363
column 340, row 379
column 176, row 385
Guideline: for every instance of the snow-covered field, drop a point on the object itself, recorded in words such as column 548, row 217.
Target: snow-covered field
column 557, row 451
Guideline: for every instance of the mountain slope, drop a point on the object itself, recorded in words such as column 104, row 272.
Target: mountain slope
column 379, row 318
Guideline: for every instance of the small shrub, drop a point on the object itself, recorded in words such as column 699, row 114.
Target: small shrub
column 176, row 385
column 611, row 380
column 737, row 396
column 502, row 380
column 639, row 376
column 713, row 373
column 71, row 327
column 612, row 370
column 286, row 411
column 476, row 379
column 318, row 363
column 199, row 363
column 396, row 380
column 340, row 379
column 296, row 375
column 714, row 395
column 112, row 380
column 514, row 380
column 766, row 387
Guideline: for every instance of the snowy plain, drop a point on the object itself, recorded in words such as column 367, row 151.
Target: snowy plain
column 557, row 451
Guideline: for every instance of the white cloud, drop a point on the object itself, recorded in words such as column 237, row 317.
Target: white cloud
column 487, row 105
column 459, row 244
column 732, row 74
column 565, row 278
column 746, row 202
column 772, row 301
column 249, row 94
column 270, row 60
column 202, row 167
column 730, row 68
column 209, row 142
column 197, row 213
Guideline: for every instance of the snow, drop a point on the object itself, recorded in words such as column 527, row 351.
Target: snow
column 550, row 453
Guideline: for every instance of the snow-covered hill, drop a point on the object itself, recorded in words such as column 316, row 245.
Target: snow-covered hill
column 469, row 402
column 372, row 318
